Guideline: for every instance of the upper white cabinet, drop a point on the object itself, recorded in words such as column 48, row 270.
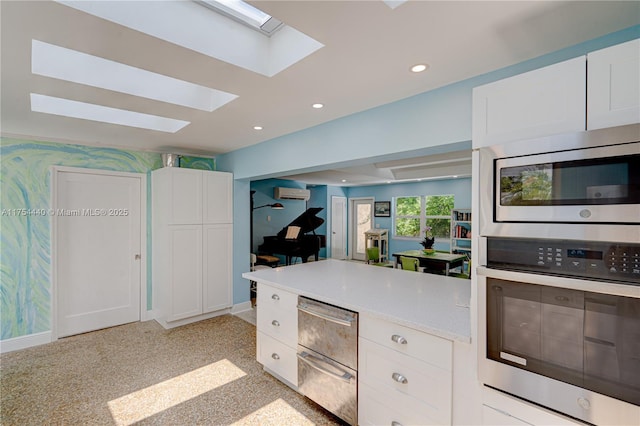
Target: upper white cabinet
column 614, row 86
column 192, row 244
column 537, row 103
column 553, row 99
column 218, row 197
column 192, row 196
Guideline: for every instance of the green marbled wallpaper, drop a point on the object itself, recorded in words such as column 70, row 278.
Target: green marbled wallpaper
column 25, row 297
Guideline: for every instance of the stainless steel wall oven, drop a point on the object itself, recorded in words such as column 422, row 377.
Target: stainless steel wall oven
column 559, row 276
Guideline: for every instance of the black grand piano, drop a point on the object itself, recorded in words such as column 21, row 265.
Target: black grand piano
column 303, row 245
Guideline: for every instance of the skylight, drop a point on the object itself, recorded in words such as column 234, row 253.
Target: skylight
column 65, row 64
column 86, row 111
column 187, row 24
column 239, row 10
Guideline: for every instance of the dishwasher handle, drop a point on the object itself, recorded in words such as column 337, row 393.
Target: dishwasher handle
column 309, row 310
column 316, row 363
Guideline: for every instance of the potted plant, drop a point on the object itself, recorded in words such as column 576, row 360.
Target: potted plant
column 428, row 240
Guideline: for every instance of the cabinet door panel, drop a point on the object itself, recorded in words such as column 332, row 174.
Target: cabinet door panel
column 186, row 196
column 404, row 379
column 217, row 200
column 493, row 417
column 185, row 271
column 613, row 86
column 538, row 103
column 217, row 268
column 277, row 357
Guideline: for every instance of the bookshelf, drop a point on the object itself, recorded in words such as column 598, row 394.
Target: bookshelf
column 461, row 231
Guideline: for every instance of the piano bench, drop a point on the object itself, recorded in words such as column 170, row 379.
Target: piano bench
column 263, row 259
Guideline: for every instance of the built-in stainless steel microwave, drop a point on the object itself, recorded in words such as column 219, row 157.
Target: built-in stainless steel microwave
column 555, row 185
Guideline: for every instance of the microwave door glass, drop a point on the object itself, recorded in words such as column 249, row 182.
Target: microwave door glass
column 596, row 181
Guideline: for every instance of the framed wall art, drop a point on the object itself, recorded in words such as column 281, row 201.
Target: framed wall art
column 382, row 209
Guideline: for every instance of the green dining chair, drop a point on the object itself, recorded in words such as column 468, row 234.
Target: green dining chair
column 373, row 254
column 409, row 263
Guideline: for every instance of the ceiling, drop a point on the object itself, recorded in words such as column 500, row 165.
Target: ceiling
column 367, row 50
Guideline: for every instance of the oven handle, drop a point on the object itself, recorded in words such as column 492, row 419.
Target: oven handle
column 307, row 309
column 316, row 362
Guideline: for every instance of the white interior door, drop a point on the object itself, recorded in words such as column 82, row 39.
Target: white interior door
column 338, row 228
column 96, row 248
column 361, row 222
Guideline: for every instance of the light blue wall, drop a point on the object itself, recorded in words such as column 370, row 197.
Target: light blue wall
column 267, row 221
column 429, row 123
column 460, row 188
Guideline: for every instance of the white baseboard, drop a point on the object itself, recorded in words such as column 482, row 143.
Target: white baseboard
column 241, row 307
column 24, row 342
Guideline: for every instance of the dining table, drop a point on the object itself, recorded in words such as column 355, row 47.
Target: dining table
column 433, row 261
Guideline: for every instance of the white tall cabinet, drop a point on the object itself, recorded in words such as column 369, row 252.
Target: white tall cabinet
column 192, row 244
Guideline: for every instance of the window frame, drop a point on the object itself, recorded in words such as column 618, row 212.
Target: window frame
column 423, row 217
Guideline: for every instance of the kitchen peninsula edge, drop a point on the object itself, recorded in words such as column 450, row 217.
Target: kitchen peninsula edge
column 433, row 304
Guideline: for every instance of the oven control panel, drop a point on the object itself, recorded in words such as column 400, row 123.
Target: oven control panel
column 595, row 260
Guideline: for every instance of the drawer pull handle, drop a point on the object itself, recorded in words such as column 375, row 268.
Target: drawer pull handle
column 275, row 323
column 399, row 339
column 275, row 356
column 394, row 423
column 275, row 297
column 399, row 378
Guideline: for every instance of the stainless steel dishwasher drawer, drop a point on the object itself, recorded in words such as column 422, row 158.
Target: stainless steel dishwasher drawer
column 328, row 330
column 328, row 383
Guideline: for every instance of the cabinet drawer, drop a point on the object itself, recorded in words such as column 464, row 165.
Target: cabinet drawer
column 272, row 297
column 426, row 347
column 277, row 357
column 384, row 408
column 386, row 370
column 278, row 323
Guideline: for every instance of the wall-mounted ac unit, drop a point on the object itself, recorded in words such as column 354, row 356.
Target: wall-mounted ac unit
column 291, row 194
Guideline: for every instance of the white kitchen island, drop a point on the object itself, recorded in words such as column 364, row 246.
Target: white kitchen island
column 430, row 303
column 411, row 324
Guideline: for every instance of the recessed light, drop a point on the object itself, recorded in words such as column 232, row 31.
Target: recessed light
column 344, row 180
column 257, row 127
column 317, row 106
column 419, row 67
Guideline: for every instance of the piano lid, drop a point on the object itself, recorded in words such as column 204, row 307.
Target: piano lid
column 307, row 221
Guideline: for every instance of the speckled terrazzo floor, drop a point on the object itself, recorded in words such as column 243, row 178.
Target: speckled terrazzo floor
column 200, row 374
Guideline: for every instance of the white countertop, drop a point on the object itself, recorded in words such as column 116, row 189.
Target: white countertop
column 434, row 304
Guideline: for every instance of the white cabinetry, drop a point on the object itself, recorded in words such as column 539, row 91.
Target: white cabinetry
column 404, row 375
column 277, row 332
column 542, row 102
column 501, row 409
column 613, row 85
column 192, row 244
column 553, row 99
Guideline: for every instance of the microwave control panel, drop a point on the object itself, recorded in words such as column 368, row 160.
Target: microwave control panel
column 584, row 259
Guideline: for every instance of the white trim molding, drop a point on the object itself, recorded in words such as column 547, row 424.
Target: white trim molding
column 24, row 342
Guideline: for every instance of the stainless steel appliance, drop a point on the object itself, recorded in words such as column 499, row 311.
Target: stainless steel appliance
column 328, row 357
column 552, row 186
column 559, row 273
